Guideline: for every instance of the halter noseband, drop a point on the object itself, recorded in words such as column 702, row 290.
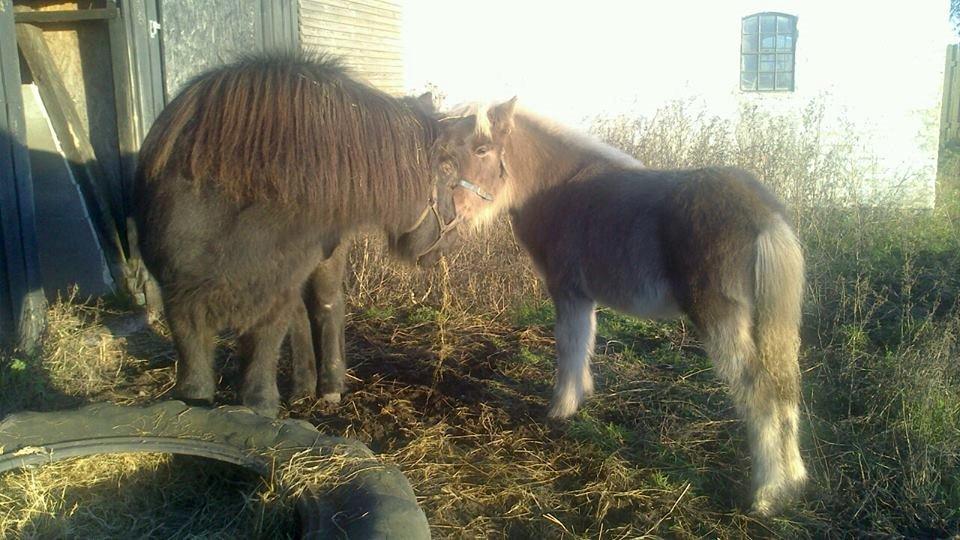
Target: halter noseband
column 444, row 228
column 477, row 190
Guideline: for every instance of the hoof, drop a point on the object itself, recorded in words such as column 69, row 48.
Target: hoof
column 302, row 395
column 762, row 508
column 269, row 408
column 195, row 402
column 193, row 395
column 561, row 409
column 332, row 397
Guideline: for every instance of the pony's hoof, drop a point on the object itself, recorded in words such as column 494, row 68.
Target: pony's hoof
column 193, row 395
column 762, row 509
column 561, row 409
column 269, row 408
column 302, row 395
column 767, row 503
column 332, row 397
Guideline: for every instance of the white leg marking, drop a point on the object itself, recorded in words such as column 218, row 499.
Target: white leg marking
column 575, row 333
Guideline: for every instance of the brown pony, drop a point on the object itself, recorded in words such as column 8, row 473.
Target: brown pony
column 247, row 184
column 712, row 244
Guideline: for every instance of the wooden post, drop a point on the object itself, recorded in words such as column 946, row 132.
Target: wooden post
column 77, row 147
column 948, row 159
column 138, row 87
column 22, row 302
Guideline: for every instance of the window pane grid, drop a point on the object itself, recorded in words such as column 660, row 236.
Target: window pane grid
column 767, row 44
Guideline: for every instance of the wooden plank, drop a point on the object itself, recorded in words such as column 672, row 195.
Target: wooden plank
column 325, row 18
column 354, row 41
column 138, row 91
column 353, row 8
column 316, row 26
column 393, row 14
column 385, row 83
column 393, row 78
column 379, row 4
column 359, row 62
column 21, row 288
column 350, row 28
column 331, row 11
column 382, row 43
column 129, row 120
column 358, row 51
column 127, row 112
column 66, row 16
column 953, row 101
column 68, row 127
column 947, row 188
column 950, row 109
column 325, row 15
column 373, row 5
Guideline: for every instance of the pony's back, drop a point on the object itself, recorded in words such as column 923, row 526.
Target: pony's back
column 291, row 129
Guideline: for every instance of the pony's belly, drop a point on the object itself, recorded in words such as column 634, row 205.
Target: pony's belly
column 647, row 300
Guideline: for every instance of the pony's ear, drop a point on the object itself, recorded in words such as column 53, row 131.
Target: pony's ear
column 459, row 126
column 501, row 117
column 425, row 100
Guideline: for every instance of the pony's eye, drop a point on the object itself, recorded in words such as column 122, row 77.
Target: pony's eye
column 481, row 150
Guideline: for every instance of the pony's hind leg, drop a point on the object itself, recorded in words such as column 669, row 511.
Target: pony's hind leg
column 765, row 392
column 303, row 358
column 260, row 346
column 575, row 332
column 195, row 342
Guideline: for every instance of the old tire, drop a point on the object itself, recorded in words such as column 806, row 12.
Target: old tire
column 371, row 500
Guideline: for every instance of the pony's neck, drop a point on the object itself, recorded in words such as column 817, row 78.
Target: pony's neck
column 401, row 210
column 541, row 154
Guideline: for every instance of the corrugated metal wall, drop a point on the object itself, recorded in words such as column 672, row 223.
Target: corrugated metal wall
column 365, row 33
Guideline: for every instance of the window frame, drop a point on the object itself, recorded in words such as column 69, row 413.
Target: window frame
column 758, row 52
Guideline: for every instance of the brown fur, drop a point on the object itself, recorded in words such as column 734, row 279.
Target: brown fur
column 249, row 181
column 294, row 130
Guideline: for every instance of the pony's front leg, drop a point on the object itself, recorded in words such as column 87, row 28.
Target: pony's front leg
column 575, row 331
column 195, row 342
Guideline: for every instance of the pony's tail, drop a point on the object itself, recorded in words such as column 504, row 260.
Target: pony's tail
column 779, row 286
column 778, row 292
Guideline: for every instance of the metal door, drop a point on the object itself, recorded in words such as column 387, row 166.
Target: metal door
column 200, row 34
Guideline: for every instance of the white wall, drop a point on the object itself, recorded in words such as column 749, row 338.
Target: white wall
column 879, row 64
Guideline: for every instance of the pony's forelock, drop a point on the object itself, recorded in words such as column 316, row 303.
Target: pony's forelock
column 482, row 129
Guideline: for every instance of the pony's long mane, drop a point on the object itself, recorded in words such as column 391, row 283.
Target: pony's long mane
column 293, row 129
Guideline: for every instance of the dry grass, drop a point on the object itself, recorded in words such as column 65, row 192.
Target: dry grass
column 451, row 371
column 140, row 496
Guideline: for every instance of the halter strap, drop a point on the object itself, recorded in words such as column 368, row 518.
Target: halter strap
column 442, row 228
column 477, row 190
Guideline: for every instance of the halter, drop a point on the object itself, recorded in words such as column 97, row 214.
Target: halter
column 477, row 190
column 443, row 228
